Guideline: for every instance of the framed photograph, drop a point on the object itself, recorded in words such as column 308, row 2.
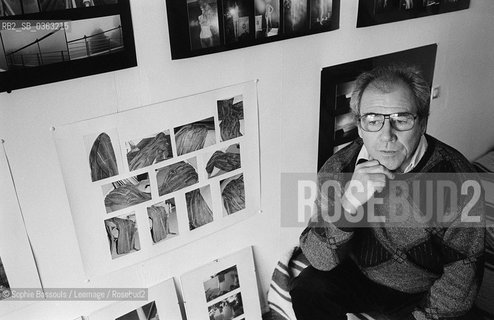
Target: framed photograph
column 17, row 265
column 141, row 183
column 199, row 27
column 337, row 125
column 52, row 40
column 373, row 12
column 161, row 303
column 223, row 289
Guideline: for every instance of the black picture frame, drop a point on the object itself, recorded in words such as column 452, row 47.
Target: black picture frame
column 55, row 43
column 234, row 24
column 337, row 127
column 374, row 12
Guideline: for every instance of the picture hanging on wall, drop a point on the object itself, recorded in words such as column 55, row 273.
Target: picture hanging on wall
column 45, row 41
column 197, row 171
column 223, row 289
column 373, row 12
column 337, row 125
column 161, row 303
column 199, row 27
column 17, row 265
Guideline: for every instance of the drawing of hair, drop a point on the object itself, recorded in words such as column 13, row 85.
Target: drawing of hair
column 124, row 196
column 198, row 210
column 102, row 159
column 230, row 115
column 191, row 137
column 160, row 226
column 234, row 195
column 175, row 177
column 149, row 151
column 226, row 161
column 124, row 233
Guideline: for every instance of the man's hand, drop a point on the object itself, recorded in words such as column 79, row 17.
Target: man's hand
column 369, row 177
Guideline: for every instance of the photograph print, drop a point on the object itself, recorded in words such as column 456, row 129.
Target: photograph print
column 127, row 192
column 267, row 18
column 295, row 16
column 101, row 154
column 227, row 309
column 16, row 7
column 236, row 20
column 195, row 136
column 204, row 28
column 82, row 39
column 163, row 222
column 231, row 117
column 221, row 283
column 233, row 194
column 373, row 12
column 146, row 312
column 122, row 234
column 149, row 150
column 199, row 204
column 177, row 176
column 321, row 12
column 223, row 161
column 337, row 125
column 4, row 282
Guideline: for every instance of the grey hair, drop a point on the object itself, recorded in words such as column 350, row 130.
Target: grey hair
column 384, row 77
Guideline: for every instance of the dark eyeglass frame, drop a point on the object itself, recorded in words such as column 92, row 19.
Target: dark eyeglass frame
column 391, row 117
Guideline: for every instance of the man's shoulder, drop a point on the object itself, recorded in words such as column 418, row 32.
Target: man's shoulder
column 343, row 159
column 448, row 157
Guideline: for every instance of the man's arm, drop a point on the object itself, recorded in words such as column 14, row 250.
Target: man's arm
column 323, row 243
column 454, row 293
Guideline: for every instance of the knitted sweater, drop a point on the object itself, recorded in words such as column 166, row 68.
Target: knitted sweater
column 445, row 260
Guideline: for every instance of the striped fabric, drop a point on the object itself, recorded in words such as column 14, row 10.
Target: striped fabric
column 279, row 300
column 293, row 262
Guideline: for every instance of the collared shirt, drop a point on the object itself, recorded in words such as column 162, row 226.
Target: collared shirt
column 419, row 153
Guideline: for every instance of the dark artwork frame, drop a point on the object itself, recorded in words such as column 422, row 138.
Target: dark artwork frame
column 110, row 46
column 374, row 12
column 335, row 102
column 251, row 27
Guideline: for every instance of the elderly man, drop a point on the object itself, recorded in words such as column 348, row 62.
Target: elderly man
column 407, row 269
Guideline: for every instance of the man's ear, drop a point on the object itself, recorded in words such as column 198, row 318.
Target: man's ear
column 423, row 124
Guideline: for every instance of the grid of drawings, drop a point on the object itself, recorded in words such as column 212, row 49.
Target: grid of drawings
column 168, row 179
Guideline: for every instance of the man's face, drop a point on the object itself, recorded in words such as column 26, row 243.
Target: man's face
column 393, row 149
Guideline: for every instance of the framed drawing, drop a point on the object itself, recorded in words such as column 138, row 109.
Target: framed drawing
column 337, row 126
column 18, row 269
column 160, row 176
column 223, row 289
column 161, row 303
column 45, row 41
column 373, row 12
column 199, row 27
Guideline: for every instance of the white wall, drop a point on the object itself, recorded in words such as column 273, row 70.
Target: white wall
column 289, row 74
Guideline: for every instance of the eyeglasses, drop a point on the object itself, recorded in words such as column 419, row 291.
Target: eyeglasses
column 374, row 122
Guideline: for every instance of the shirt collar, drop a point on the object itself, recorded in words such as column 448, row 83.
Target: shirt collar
column 418, row 154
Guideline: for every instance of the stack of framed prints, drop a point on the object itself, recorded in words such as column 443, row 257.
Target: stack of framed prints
column 337, row 126
column 151, row 179
column 200, row 27
column 17, row 266
column 224, row 289
column 372, row 12
column 162, row 303
column 43, row 41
